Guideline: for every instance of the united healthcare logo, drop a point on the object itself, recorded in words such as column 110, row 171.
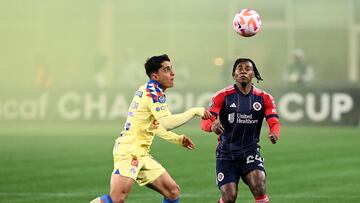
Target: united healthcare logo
column 231, row 117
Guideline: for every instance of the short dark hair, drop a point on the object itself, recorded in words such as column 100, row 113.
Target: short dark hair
column 239, row 60
column 153, row 64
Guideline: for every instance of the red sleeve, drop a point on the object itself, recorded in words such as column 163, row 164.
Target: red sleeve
column 215, row 107
column 206, row 124
column 271, row 114
column 274, row 126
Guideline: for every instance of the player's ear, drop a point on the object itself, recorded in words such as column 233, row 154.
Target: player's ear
column 154, row 76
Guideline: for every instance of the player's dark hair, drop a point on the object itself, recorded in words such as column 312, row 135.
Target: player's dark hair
column 239, row 60
column 153, row 64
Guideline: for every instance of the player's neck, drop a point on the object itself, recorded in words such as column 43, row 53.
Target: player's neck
column 245, row 89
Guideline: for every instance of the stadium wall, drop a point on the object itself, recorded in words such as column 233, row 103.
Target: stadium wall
column 295, row 107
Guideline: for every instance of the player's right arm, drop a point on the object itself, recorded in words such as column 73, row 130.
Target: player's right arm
column 272, row 118
column 173, row 121
column 159, row 109
column 174, row 138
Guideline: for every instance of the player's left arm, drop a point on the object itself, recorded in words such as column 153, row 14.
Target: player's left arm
column 272, row 118
column 172, row 137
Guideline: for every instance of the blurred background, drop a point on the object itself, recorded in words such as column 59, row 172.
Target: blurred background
column 69, row 69
column 81, row 61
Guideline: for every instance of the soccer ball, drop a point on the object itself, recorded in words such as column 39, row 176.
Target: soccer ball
column 247, row 22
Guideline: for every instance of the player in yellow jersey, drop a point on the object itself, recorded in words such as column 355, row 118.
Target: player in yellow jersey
column 148, row 116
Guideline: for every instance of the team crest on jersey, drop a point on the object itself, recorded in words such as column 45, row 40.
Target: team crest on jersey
column 154, row 92
column 257, row 106
column 134, row 162
column 220, row 176
column 162, row 99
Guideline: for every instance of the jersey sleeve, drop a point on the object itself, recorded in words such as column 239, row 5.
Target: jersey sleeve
column 156, row 101
column 270, row 107
column 215, row 106
column 271, row 115
column 169, row 135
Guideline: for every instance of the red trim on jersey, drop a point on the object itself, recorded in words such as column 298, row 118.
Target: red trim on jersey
column 218, row 99
column 274, row 126
column 207, row 124
column 217, row 103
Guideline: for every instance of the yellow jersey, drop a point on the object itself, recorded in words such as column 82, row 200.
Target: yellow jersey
column 148, row 105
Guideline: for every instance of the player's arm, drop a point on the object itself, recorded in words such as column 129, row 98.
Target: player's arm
column 272, row 118
column 213, row 124
column 175, row 138
column 160, row 111
column 173, row 121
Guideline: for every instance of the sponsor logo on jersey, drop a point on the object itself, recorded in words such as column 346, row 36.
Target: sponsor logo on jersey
column 220, row 176
column 233, row 105
column 231, row 117
column 127, row 126
column 132, row 170
column 155, row 124
column 257, row 106
column 139, row 93
column 160, row 108
column 135, row 105
column 245, row 119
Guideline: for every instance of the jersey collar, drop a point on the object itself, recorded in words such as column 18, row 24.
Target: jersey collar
column 155, row 82
column 238, row 90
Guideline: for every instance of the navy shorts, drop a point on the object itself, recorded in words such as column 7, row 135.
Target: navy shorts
column 228, row 171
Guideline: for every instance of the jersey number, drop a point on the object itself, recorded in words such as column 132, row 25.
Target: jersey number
column 251, row 158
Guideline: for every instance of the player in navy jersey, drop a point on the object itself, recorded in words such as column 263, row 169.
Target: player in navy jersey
column 238, row 112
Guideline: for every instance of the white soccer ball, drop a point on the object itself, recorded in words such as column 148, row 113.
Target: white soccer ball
column 247, row 22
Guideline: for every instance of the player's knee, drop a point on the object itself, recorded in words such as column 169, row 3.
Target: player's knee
column 259, row 189
column 118, row 197
column 174, row 193
column 229, row 197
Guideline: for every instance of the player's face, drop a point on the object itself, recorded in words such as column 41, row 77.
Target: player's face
column 165, row 75
column 244, row 72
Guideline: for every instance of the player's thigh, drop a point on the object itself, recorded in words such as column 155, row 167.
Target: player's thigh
column 126, row 170
column 150, row 171
column 256, row 180
column 227, row 172
column 165, row 185
column 120, row 185
column 229, row 191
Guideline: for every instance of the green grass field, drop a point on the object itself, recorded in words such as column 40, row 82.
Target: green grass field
column 73, row 164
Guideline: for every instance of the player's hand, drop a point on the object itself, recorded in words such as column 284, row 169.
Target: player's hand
column 207, row 115
column 273, row 138
column 188, row 143
column 217, row 127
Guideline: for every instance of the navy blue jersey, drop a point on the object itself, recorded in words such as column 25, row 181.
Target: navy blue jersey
column 241, row 116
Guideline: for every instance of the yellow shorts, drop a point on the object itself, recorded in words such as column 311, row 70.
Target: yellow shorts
column 143, row 170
